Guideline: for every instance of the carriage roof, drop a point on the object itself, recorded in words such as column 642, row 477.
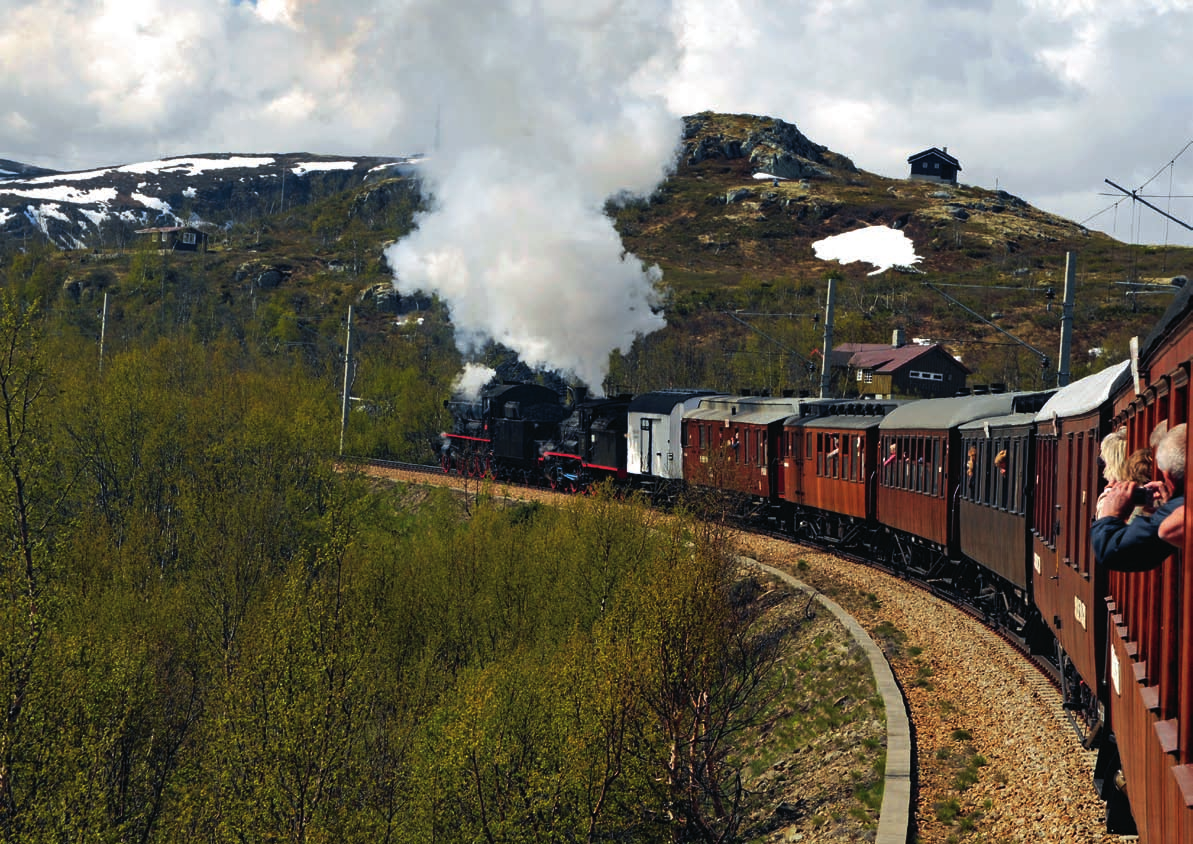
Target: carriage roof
column 1086, row 394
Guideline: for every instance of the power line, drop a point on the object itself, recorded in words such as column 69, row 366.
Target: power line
column 1169, row 164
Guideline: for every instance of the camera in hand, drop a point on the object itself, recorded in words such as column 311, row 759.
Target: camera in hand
column 1142, row 496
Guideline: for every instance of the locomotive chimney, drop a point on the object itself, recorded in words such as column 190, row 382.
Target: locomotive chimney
column 579, row 394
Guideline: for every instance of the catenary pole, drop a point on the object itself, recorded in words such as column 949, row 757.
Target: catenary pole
column 347, row 381
column 1066, row 321
column 825, row 358
column 103, row 329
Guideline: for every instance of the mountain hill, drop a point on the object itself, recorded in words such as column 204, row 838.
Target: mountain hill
column 103, row 207
column 739, row 249
column 743, row 286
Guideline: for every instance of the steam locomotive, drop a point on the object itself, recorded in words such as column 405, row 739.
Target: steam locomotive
column 989, row 497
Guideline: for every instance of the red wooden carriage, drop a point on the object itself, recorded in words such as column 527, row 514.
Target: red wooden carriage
column 1150, row 614
column 922, row 463
column 830, row 467
column 734, row 443
column 1068, row 587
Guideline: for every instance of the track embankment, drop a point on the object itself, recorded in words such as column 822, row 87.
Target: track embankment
column 994, row 756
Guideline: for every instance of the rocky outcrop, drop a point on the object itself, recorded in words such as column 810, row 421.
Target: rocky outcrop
column 770, row 145
column 260, row 275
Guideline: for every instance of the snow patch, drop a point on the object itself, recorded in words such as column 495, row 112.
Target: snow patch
column 880, row 246
column 153, row 202
column 63, row 193
column 304, row 167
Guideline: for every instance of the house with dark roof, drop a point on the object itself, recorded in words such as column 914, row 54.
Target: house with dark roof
column 176, row 238
column 934, row 165
column 898, row 369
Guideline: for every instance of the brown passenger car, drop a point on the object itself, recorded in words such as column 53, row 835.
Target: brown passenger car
column 830, row 467
column 734, row 443
column 921, row 465
column 1068, row 587
column 1150, row 694
column 994, row 496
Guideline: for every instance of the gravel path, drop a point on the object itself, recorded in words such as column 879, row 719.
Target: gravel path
column 972, row 699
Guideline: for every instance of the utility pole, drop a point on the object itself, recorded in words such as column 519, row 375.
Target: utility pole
column 103, row 327
column 347, row 381
column 1066, row 320
column 825, row 358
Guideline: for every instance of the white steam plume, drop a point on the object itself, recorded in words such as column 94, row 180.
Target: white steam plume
column 542, row 119
column 471, row 381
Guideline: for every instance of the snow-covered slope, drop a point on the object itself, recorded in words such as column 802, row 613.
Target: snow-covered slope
column 94, row 208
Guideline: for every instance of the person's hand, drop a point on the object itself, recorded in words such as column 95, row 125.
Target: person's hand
column 1159, row 492
column 1116, row 500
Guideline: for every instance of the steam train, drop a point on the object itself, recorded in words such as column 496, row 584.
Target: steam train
column 989, row 497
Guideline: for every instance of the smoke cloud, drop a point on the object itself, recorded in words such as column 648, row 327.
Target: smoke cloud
column 471, row 381
column 544, row 113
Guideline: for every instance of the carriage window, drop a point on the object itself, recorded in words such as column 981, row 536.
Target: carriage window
column 937, row 468
column 968, row 468
column 1002, row 475
column 1015, row 476
column 1044, row 521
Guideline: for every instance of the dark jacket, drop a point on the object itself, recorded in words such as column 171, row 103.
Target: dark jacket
column 1134, row 546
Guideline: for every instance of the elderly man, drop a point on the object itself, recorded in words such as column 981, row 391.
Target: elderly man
column 1139, row 544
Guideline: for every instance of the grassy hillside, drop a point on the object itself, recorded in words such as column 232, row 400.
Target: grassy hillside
column 988, row 250
column 743, row 291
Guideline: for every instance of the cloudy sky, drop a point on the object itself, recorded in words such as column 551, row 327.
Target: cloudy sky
column 1044, row 98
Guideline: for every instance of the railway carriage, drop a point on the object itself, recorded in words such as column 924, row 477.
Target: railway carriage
column 1067, row 586
column 654, row 434
column 993, row 499
column 735, row 444
column 918, row 478
column 1150, row 626
column 829, row 469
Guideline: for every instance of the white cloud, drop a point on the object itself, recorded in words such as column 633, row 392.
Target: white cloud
column 1046, row 98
